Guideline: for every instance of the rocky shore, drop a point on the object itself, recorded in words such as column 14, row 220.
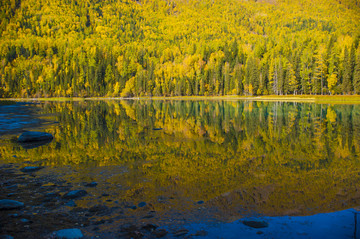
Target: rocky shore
column 40, row 205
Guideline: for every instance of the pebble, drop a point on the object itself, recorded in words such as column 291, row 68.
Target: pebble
column 7, row 204
column 12, row 187
column 201, row 233
column 30, row 169
column 150, row 227
column 98, row 208
column 160, row 233
column 181, row 232
column 75, row 194
column 7, row 237
column 255, row 224
column 71, row 203
column 52, row 195
column 73, row 233
column 91, row 185
column 142, row 204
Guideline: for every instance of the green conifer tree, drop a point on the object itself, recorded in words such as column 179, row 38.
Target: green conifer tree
column 357, row 73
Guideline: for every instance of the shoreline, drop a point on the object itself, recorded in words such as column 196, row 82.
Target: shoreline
column 322, row 99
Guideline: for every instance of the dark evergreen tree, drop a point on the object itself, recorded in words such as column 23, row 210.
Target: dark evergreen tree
column 347, row 73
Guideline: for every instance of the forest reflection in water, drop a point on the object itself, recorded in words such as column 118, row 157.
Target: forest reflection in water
column 228, row 157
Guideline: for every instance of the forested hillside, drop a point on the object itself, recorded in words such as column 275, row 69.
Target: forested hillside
column 176, row 47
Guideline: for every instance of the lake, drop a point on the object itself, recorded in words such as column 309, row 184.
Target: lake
column 173, row 161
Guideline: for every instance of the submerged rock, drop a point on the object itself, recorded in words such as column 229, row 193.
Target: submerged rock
column 33, row 139
column 150, row 227
column 7, row 204
column 7, row 237
column 160, row 233
column 73, row 233
column 181, row 232
column 75, row 194
column 91, row 185
column 70, row 203
column 255, row 224
column 157, row 129
column 98, row 208
column 30, row 169
column 201, row 233
column 31, row 136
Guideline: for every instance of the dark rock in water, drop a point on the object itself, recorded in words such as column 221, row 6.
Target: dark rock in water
column 7, row 237
column 30, row 169
column 12, row 187
column 142, row 204
column 255, row 224
column 52, row 195
column 33, row 145
column 31, row 136
column 129, row 228
column 160, row 233
column 75, row 194
column 200, row 202
column 7, row 204
column 150, row 227
column 98, row 208
column 30, row 140
column 201, row 233
column 70, row 203
column 102, row 221
column 91, row 185
column 148, row 216
column 181, row 232
column 73, row 233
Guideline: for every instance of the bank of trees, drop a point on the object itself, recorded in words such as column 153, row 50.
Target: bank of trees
column 172, row 48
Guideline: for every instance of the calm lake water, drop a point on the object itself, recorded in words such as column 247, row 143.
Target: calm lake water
column 204, row 159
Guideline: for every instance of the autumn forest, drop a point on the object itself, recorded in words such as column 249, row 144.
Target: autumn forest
column 127, row 48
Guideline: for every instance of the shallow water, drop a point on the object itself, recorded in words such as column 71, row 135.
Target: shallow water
column 203, row 160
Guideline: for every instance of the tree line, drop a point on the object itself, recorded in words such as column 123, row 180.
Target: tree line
column 80, row 48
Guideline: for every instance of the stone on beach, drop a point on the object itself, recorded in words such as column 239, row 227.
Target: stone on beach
column 7, row 204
